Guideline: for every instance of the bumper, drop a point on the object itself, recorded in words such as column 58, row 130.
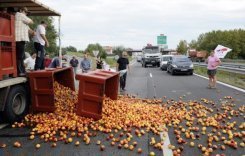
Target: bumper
column 152, row 61
column 178, row 70
column 164, row 67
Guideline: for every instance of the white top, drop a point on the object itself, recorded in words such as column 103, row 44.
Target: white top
column 30, row 63
column 40, row 30
column 34, row 38
column 21, row 27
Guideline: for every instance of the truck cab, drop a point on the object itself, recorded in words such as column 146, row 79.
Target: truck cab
column 151, row 55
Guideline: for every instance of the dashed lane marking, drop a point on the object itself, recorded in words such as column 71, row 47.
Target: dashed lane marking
column 165, row 150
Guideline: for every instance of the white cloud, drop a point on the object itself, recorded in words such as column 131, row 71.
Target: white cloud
column 134, row 23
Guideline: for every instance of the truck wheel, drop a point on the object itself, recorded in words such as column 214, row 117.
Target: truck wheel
column 16, row 105
column 145, row 65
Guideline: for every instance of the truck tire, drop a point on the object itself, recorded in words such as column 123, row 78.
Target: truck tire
column 145, row 65
column 16, row 104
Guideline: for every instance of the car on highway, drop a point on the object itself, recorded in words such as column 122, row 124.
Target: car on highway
column 138, row 58
column 180, row 64
column 164, row 60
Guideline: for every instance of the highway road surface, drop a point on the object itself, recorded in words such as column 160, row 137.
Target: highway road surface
column 154, row 83
column 146, row 83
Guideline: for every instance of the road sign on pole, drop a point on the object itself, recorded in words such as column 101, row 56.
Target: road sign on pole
column 161, row 39
column 95, row 52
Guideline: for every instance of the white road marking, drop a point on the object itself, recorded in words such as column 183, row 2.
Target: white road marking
column 3, row 125
column 150, row 75
column 225, row 84
column 132, row 63
column 166, row 151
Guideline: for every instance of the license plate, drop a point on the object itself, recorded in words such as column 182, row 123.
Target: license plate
column 152, row 61
column 183, row 69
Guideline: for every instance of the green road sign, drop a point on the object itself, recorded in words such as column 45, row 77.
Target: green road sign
column 161, row 39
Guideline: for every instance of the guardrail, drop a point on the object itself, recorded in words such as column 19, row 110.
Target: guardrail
column 231, row 67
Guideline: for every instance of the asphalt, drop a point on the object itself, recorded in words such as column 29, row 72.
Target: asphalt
column 161, row 84
column 154, row 83
column 142, row 82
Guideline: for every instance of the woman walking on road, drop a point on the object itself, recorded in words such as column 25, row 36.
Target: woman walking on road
column 123, row 66
column 213, row 63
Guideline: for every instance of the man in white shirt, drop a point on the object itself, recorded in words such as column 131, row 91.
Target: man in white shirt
column 21, row 37
column 30, row 62
column 39, row 42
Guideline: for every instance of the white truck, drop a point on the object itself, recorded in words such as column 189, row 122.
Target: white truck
column 14, row 91
column 151, row 55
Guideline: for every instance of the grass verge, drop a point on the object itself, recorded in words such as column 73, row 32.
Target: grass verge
column 77, row 54
column 111, row 61
column 234, row 79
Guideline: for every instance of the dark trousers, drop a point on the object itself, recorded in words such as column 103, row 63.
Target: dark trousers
column 39, row 64
column 20, row 56
column 123, row 81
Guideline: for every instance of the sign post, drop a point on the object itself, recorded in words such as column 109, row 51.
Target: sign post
column 95, row 52
column 162, row 41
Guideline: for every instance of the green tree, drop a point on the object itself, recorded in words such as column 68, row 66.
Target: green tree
column 234, row 39
column 118, row 50
column 91, row 47
column 71, row 49
column 193, row 44
column 80, row 51
column 51, row 35
column 182, row 47
column 68, row 49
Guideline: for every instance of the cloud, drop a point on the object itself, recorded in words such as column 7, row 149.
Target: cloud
column 136, row 23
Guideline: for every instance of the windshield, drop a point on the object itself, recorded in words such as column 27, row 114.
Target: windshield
column 182, row 59
column 151, row 50
column 166, row 58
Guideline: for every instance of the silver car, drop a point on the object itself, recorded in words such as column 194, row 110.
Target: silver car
column 164, row 61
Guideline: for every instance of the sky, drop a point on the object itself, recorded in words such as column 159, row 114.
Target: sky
column 135, row 23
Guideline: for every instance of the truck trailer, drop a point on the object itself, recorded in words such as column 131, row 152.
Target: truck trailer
column 15, row 95
column 197, row 56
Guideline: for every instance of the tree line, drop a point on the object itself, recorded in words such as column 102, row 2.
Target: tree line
column 234, row 39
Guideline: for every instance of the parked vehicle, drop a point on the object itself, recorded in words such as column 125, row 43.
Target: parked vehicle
column 151, row 55
column 197, row 56
column 164, row 61
column 14, row 91
column 180, row 64
column 138, row 58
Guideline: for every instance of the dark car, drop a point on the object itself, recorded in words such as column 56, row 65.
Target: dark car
column 180, row 64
